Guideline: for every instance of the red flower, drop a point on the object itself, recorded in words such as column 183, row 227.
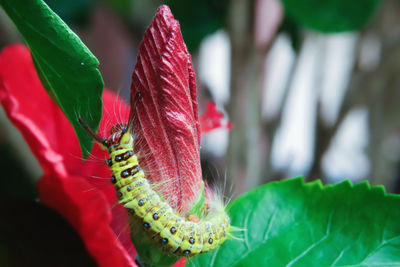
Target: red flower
column 213, row 119
column 68, row 184
column 168, row 127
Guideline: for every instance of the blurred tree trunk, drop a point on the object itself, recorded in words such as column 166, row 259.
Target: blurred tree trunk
column 376, row 88
column 244, row 105
column 384, row 95
column 247, row 144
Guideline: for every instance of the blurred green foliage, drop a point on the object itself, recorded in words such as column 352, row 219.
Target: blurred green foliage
column 331, row 15
column 199, row 19
column 121, row 7
column 74, row 12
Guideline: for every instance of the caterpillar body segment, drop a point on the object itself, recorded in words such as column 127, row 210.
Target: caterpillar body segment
column 173, row 232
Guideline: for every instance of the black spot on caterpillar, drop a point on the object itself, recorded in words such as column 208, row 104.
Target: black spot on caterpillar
column 173, row 232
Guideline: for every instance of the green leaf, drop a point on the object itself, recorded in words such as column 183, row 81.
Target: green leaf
column 150, row 253
column 331, row 15
column 292, row 223
column 198, row 207
column 66, row 67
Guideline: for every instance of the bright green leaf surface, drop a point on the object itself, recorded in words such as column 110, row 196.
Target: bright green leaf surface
column 331, row 15
column 66, row 67
column 292, row 223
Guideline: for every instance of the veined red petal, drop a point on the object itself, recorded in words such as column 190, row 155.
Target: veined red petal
column 69, row 185
column 213, row 119
column 166, row 124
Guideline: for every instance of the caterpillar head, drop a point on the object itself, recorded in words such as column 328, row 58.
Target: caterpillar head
column 120, row 136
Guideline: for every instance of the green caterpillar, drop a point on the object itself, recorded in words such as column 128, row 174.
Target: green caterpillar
column 175, row 234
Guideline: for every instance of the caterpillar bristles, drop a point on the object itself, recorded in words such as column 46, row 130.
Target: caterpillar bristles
column 175, row 233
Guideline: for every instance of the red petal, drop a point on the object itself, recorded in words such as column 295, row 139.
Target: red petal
column 213, row 119
column 167, row 127
column 84, row 208
column 69, row 185
column 28, row 106
column 43, row 125
column 180, row 263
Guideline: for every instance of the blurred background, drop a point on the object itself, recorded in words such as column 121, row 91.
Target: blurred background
column 311, row 87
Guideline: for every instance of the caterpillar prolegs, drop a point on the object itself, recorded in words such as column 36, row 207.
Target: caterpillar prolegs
column 173, row 232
